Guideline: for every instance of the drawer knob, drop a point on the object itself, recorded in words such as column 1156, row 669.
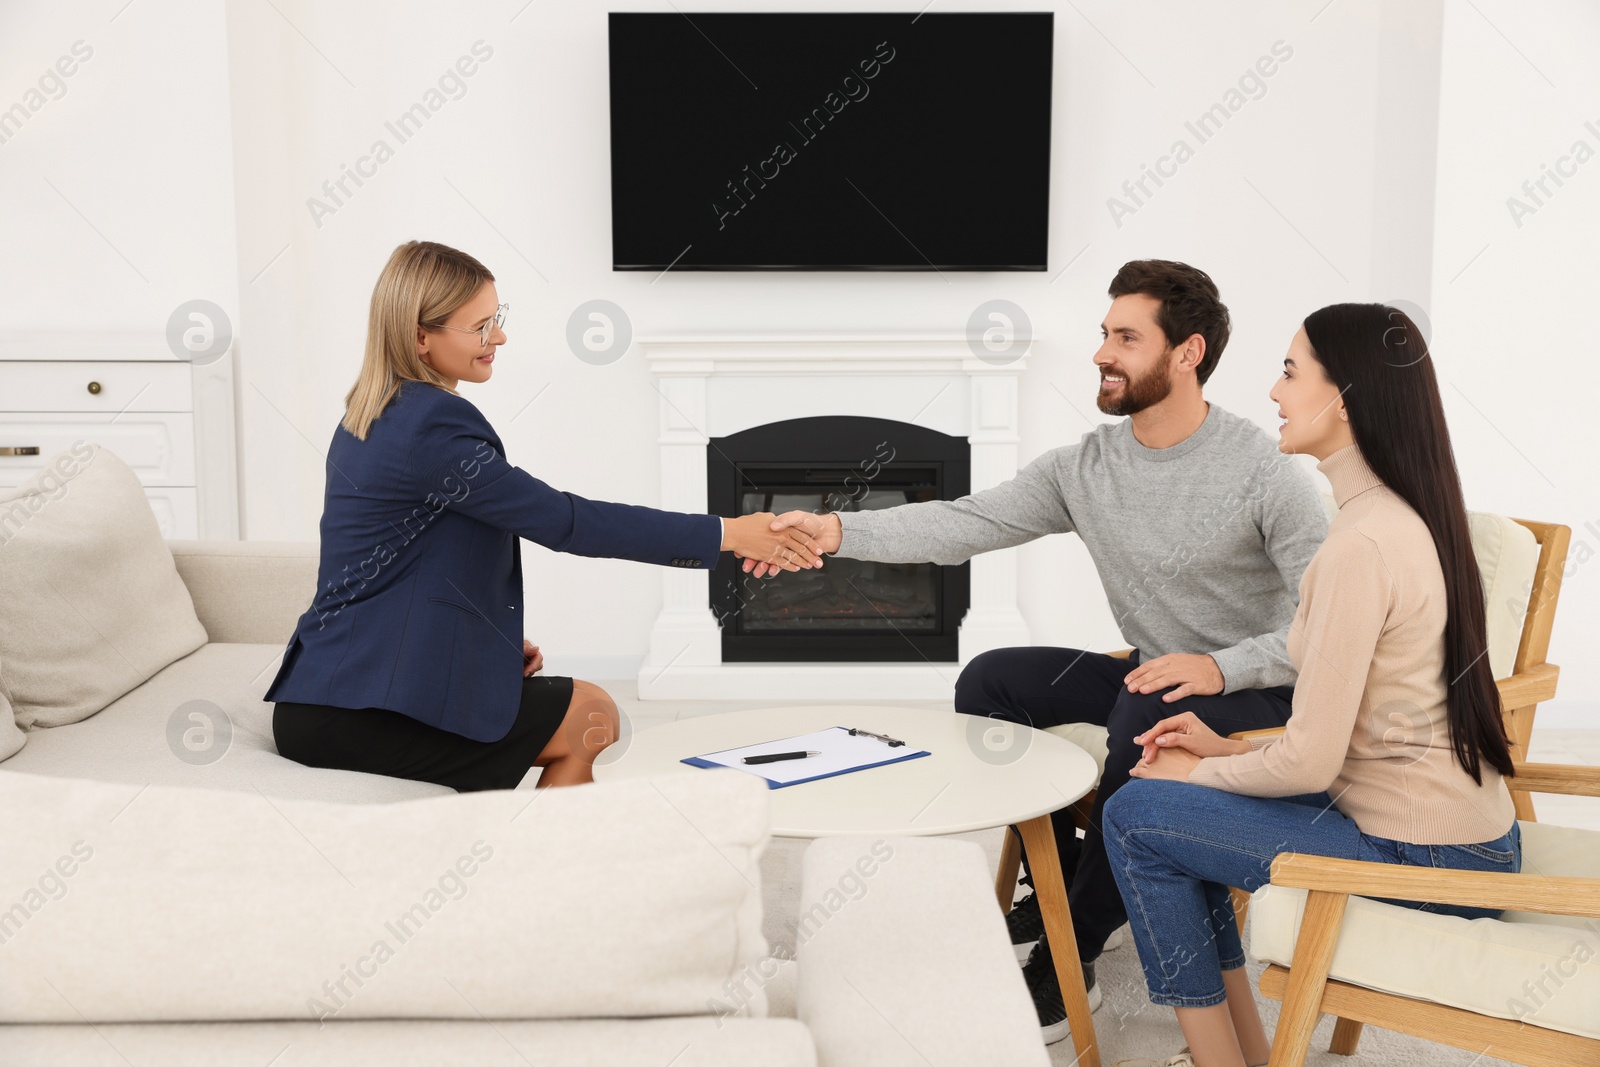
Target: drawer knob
column 19, row 450
column 94, row 388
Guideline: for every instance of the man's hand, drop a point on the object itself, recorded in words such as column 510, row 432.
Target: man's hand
column 532, row 659
column 1193, row 675
column 822, row 533
column 769, row 543
column 1171, row 764
column 1185, row 732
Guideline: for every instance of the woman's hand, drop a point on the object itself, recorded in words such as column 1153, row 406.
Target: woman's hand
column 532, row 659
column 1173, row 764
column 1186, row 732
column 751, row 537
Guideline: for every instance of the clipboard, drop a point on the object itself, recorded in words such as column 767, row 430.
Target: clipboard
column 841, row 752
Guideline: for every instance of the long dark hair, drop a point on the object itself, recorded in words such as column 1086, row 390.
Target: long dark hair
column 1379, row 360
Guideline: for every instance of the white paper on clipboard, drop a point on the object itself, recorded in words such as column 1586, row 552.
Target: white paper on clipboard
column 841, row 753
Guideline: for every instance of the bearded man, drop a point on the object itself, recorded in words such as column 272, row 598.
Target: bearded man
column 1200, row 529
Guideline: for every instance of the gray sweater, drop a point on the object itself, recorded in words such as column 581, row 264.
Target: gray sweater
column 1200, row 546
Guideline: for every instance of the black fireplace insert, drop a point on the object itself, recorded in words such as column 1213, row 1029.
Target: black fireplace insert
column 849, row 610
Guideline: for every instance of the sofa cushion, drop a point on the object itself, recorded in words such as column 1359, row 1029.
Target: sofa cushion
column 201, row 722
column 883, row 921
column 701, row 1041
column 1527, row 966
column 281, row 577
column 11, row 736
column 151, row 903
column 90, row 602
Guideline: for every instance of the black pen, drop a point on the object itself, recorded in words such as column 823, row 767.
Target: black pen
column 773, row 757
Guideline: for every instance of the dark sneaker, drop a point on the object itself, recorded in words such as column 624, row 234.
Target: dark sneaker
column 1026, row 925
column 1024, row 922
column 1040, row 974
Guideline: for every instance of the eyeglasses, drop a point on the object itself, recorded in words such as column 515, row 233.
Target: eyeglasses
column 483, row 331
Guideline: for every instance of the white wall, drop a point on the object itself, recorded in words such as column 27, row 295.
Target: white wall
column 116, row 192
column 536, row 210
column 1514, row 293
column 1321, row 190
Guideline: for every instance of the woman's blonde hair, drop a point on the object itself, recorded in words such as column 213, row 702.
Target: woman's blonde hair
column 423, row 283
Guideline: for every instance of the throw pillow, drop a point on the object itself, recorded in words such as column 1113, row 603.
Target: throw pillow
column 91, row 605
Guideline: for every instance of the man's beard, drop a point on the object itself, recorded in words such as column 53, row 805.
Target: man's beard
column 1152, row 387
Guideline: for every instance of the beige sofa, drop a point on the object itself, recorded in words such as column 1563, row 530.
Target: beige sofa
column 175, row 892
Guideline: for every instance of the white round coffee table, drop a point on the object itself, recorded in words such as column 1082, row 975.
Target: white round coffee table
column 979, row 774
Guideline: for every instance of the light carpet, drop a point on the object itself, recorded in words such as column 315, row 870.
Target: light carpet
column 1127, row 1024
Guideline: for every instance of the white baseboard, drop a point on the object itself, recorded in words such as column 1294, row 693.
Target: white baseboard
column 1553, row 714
column 1568, row 715
column 827, row 683
column 595, row 668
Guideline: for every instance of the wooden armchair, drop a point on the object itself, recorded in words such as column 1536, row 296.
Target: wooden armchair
column 1307, row 992
column 1532, row 680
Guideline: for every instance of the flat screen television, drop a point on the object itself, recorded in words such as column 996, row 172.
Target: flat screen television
column 830, row 141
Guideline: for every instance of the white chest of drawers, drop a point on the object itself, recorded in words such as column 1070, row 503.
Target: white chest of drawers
column 169, row 420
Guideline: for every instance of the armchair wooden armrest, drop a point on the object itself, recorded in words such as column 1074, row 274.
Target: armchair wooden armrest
column 1569, row 778
column 1529, row 686
column 1251, row 735
column 1478, row 889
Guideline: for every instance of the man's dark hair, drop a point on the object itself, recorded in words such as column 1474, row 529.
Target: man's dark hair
column 1189, row 304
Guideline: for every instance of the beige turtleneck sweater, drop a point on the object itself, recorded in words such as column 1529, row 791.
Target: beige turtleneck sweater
column 1369, row 723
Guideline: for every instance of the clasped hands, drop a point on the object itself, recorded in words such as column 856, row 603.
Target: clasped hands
column 1173, row 746
column 769, row 543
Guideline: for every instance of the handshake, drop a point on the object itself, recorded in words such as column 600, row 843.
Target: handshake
column 768, row 543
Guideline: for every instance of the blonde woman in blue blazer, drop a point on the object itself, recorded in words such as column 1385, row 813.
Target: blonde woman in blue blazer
column 411, row 660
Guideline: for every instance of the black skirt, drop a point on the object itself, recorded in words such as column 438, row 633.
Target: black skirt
column 379, row 741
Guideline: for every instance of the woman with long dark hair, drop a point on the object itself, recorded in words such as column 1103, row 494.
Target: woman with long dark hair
column 1396, row 750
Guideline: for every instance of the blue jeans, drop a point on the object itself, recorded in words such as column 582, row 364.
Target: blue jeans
column 1041, row 687
column 1175, row 848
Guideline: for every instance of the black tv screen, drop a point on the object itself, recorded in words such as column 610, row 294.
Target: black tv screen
column 780, row 141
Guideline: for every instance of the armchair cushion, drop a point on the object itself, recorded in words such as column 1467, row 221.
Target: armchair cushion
column 1508, row 557
column 1086, row 735
column 1541, row 969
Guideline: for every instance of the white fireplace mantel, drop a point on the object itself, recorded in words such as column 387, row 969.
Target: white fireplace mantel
column 713, row 385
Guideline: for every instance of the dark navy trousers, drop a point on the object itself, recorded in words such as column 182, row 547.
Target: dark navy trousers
column 1043, row 687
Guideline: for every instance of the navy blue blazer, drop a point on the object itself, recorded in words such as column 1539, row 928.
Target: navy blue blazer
column 419, row 592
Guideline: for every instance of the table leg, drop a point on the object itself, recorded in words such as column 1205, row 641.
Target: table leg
column 1005, row 880
column 1044, row 862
